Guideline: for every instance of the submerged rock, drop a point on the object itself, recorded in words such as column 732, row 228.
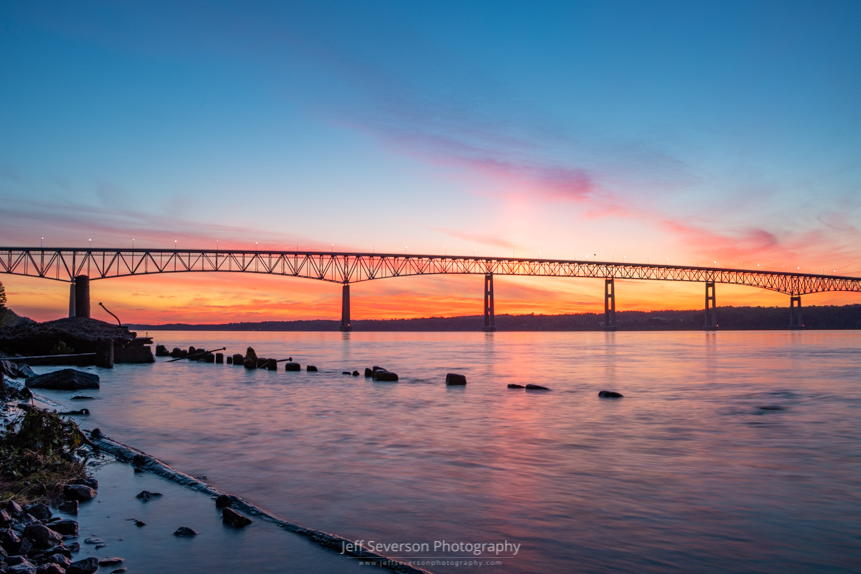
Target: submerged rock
column 146, row 495
column 385, row 376
column 610, row 395
column 455, row 379
column 311, row 369
column 111, row 561
column 184, row 532
column 68, row 506
column 234, row 519
column 515, row 386
column 536, row 388
column 85, row 566
column 355, row 373
column 64, row 380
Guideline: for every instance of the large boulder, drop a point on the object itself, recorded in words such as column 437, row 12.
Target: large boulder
column 79, row 492
column 64, row 380
column 41, row 535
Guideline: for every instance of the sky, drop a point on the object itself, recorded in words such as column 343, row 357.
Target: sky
column 679, row 132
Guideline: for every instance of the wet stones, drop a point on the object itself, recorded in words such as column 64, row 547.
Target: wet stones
column 42, row 536
column 223, row 501
column 39, row 511
column 184, row 532
column 455, row 379
column 79, row 492
column 232, row 518
column 609, row 395
column 64, row 380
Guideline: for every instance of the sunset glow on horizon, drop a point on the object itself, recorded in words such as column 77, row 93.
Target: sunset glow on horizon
column 675, row 133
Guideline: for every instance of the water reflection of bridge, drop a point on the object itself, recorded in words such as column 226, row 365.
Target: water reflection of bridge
column 79, row 266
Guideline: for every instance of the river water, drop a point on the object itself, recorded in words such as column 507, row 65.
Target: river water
column 730, row 452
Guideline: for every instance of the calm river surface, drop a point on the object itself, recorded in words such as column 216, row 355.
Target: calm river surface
column 687, row 473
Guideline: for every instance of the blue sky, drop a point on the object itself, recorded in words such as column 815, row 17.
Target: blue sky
column 685, row 131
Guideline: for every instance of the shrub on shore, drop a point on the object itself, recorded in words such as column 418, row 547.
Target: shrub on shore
column 38, row 456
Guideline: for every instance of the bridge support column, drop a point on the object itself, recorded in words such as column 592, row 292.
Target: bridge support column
column 711, row 307
column 609, row 304
column 795, row 312
column 489, row 316
column 345, row 309
column 72, row 299
column 82, row 296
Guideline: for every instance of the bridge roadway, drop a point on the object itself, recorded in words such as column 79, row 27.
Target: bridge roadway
column 79, row 266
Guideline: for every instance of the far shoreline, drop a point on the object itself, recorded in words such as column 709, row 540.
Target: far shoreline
column 830, row 317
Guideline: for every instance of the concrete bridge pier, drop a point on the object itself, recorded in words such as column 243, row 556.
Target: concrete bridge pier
column 711, row 307
column 609, row 304
column 346, row 326
column 72, row 299
column 489, row 316
column 81, row 289
column 795, row 312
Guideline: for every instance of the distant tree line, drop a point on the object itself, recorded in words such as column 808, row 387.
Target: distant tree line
column 729, row 318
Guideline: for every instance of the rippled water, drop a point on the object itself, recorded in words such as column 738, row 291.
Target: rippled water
column 687, row 473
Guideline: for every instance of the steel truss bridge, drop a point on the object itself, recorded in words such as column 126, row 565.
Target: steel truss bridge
column 79, row 266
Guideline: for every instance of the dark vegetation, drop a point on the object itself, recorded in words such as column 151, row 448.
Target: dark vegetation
column 729, row 318
column 39, row 453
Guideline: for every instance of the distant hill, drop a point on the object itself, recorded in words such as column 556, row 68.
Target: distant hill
column 729, row 318
column 8, row 318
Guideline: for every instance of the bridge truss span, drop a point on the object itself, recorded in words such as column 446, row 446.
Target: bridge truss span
column 79, row 266
column 64, row 264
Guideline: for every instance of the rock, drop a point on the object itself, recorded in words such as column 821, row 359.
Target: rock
column 223, row 501
column 161, row 351
column 120, row 570
column 184, row 532
column 455, row 379
column 14, row 509
column 82, row 398
column 64, row 380
column 96, row 433
column 609, row 395
column 232, row 518
column 311, row 369
column 355, row 373
column 74, row 547
column 60, row 559
column 13, row 560
column 515, row 386
column 23, row 567
column 93, row 540
column 536, row 388
column 771, row 408
column 345, row 372
column 91, row 482
column 138, row 523
column 65, row 527
column 68, row 506
column 5, row 518
column 10, row 541
column 42, row 536
column 50, row 568
column 368, row 372
column 176, row 353
column 250, row 359
column 291, row 366
column 146, row 495
column 111, row 561
column 78, row 413
column 385, row 376
column 85, row 566
column 139, row 461
column 79, row 492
